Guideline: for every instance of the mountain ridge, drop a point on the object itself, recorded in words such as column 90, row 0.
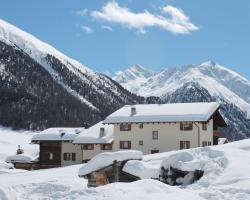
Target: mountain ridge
column 208, row 81
column 41, row 87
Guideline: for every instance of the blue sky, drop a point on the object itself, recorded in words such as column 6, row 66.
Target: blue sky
column 109, row 36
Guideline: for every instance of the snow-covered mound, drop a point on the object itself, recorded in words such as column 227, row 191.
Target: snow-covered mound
column 226, row 176
column 108, row 158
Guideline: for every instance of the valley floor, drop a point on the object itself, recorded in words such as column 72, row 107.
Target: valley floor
column 227, row 176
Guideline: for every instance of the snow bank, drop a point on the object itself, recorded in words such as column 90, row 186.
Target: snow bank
column 4, row 165
column 105, row 159
column 205, row 159
column 227, row 178
column 143, row 189
column 141, row 169
column 93, row 135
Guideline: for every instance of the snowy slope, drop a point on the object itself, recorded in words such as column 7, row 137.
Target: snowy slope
column 205, row 82
column 134, row 76
column 36, row 78
column 226, row 177
column 218, row 80
column 38, row 50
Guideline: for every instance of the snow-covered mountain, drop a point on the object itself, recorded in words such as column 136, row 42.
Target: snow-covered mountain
column 134, row 75
column 205, row 82
column 42, row 87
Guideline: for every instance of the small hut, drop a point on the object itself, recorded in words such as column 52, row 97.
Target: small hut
column 23, row 161
column 107, row 168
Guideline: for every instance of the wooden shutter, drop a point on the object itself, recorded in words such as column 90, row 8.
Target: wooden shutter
column 73, row 156
column 181, row 144
column 121, row 127
column 181, row 126
column 129, row 144
column 64, row 156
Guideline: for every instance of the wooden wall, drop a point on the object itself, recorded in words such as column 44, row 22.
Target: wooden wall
column 46, row 149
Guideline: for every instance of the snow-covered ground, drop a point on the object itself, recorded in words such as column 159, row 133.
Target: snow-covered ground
column 9, row 141
column 227, row 176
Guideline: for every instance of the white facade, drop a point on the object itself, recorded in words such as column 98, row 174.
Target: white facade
column 169, row 136
column 148, row 128
column 71, row 149
column 88, row 154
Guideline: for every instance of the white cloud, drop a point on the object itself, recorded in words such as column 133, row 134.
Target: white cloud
column 177, row 22
column 87, row 29
column 81, row 12
column 107, row 28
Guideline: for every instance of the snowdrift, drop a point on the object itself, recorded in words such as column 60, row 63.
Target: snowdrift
column 226, row 176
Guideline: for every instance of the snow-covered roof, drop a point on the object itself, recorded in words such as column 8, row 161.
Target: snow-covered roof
column 93, row 135
column 222, row 140
column 57, row 134
column 106, row 159
column 163, row 113
column 23, row 158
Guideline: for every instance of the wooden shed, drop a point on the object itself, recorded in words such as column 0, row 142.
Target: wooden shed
column 107, row 168
column 110, row 174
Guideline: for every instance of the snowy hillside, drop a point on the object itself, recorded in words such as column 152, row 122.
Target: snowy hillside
column 206, row 82
column 134, row 76
column 226, row 176
column 38, row 82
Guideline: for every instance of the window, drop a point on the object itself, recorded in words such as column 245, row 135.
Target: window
column 125, row 127
column 204, row 126
column 155, row 135
column 184, row 144
column 125, row 144
column 88, row 147
column 154, row 151
column 204, row 143
column 66, row 156
column 50, row 156
column 73, row 156
column 186, row 126
column 141, row 125
column 106, row 146
column 141, row 142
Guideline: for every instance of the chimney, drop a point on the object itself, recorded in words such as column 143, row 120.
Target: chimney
column 102, row 132
column 19, row 150
column 133, row 110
